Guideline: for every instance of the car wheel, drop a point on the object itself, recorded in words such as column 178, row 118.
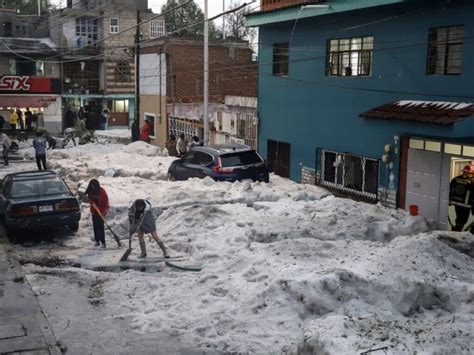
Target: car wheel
column 12, row 235
column 74, row 227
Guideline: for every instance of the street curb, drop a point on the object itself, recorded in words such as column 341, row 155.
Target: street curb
column 53, row 344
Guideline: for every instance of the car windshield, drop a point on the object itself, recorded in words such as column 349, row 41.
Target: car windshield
column 37, row 188
column 240, row 158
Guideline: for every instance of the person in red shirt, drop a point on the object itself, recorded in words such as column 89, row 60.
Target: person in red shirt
column 99, row 207
column 145, row 131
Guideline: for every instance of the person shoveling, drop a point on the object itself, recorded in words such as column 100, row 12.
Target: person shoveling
column 99, row 201
column 142, row 221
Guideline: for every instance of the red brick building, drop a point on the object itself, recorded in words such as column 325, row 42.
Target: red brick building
column 173, row 69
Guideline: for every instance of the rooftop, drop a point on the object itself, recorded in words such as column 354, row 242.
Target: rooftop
column 435, row 112
column 305, row 9
column 27, row 46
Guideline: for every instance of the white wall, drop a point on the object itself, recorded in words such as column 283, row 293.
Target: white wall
column 52, row 116
column 150, row 73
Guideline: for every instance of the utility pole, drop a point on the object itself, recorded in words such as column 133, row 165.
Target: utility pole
column 39, row 7
column 223, row 19
column 136, row 123
column 206, row 76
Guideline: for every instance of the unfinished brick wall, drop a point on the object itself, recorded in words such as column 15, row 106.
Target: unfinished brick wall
column 231, row 71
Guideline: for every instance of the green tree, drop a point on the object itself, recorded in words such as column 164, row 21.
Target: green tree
column 178, row 22
column 26, row 7
column 235, row 23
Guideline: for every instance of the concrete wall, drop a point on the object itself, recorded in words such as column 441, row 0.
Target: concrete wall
column 309, row 109
column 151, row 104
column 52, row 116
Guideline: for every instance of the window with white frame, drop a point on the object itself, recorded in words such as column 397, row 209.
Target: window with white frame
column 87, row 31
column 151, row 117
column 157, row 28
column 114, row 25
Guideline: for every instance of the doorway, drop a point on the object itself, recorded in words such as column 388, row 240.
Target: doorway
column 278, row 157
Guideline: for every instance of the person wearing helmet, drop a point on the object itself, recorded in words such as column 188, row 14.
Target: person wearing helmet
column 99, row 201
column 143, row 221
column 461, row 195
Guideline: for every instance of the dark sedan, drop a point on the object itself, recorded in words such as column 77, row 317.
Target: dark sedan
column 229, row 162
column 36, row 200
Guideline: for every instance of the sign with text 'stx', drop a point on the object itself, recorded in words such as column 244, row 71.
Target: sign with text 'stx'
column 25, row 84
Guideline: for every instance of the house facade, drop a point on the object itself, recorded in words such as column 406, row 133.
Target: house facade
column 172, row 68
column 28, row 78
column 97, row 41
column 368, row 98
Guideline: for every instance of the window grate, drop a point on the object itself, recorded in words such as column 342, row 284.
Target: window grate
column 280, row 59
column 445, row 50
column 351, row 174
column 350, row 56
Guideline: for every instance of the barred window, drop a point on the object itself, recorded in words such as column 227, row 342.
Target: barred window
column 123, row 72
column 445, row 50
column 280, row 59
column 157, row 28
column 114, row 25
column 350, row 56
column 352, row 174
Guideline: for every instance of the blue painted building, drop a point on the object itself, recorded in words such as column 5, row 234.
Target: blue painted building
column 369, row 98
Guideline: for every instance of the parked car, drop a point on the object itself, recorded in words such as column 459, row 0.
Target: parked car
column 228, row 162
column 34, row 200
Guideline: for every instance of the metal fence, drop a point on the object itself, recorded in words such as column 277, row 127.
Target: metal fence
column 186, row 126
column 247, row 129
column 347, row 173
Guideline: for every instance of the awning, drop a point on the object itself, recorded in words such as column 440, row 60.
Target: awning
column 26, row 100
column 436, row 112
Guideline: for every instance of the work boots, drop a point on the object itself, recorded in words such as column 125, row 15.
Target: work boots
column 163, row 249
column 142, row 249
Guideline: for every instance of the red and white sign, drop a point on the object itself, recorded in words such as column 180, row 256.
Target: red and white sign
column 27, row 84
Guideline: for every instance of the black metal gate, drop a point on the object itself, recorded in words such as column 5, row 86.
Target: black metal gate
column 278, row 157
column 351, row 174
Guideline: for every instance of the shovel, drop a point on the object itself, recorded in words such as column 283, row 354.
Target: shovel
column 116, row 237
column 128, row 251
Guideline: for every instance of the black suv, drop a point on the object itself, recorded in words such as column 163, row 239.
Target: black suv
column 229, row 162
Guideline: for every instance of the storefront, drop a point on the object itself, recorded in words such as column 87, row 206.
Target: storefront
column 40, row 95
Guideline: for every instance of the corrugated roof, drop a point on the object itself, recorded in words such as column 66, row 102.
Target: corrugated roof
column 26, row 45
column 435, row 112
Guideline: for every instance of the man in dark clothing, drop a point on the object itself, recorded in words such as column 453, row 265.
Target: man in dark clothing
column 39, row 143
column 99, row 204
column 20, row 119
column 461, row 195
column 28, row 119
column 70, row 118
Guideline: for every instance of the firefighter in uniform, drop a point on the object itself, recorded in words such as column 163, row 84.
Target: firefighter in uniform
column 461, row 196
